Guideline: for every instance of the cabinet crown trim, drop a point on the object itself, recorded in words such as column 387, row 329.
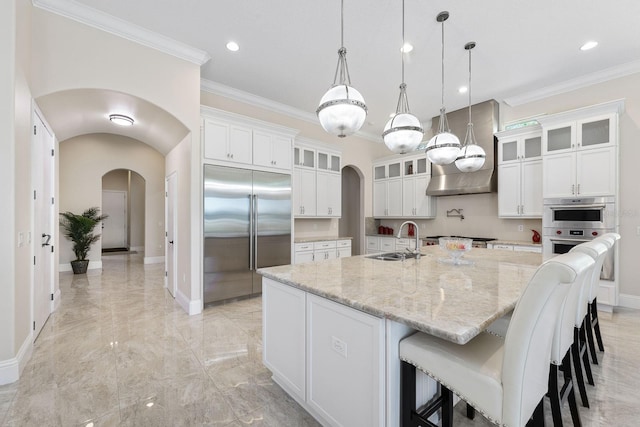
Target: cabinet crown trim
column 512, row 133
column 214, row 113
column 611, row 107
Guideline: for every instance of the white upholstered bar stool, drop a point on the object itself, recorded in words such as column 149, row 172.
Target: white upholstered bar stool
column 598, row 251
column 610, row 240
column 505, row 379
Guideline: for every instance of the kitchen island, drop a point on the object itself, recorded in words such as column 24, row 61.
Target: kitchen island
column 331, row 329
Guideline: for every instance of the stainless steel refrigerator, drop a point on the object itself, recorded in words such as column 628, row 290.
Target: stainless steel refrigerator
column 247, row 225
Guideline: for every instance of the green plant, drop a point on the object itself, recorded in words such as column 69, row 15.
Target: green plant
column 79, row 229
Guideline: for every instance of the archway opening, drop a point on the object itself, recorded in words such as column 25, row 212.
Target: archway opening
column 351, row 222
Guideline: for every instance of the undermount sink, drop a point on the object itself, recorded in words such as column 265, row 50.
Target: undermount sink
column 392, row 256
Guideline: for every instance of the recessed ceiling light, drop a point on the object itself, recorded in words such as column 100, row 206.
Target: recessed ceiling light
column 463, row 89
column 406, row 48
column 121, row 119
column 233, row 46
column 589, row 45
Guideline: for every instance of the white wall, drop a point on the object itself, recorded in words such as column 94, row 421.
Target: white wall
column 83, row 162
column 137, row 216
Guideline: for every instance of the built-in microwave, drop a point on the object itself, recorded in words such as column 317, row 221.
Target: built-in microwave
column 592, row 213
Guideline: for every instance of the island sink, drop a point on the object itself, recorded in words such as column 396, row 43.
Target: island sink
column 393, row 256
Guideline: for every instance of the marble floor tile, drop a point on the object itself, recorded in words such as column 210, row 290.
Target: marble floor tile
column 120, row 351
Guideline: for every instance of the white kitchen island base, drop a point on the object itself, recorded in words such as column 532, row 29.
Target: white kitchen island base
column 339, row 363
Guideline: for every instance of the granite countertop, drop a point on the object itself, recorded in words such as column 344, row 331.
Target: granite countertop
column 515, row 243
column 319, row 239
column 448, row 301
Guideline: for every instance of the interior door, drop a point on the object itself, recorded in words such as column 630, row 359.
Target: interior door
column 114, row 230
column 43, row 230
column 171, row 245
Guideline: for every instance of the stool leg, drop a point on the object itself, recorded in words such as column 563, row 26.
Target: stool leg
column 596, row 323
column 471, row 412
column 582, row 346
column 586, row 325
column 447, row 406
column 571, row 397
column 577, row 365
column 554, row 395
column 407, row 393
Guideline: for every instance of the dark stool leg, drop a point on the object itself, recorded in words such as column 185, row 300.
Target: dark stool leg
column 537, row 420
column 582, row 347
column 554, row 396
column 471, row 412
column 447, row 406
column 577, row 365
column 596, row 323
column 407, row 393
column 588, row 329
column 569, row 387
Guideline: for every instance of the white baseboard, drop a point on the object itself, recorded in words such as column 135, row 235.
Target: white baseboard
column 57, row 297
column 629, row 301
column 191, row 307
column 153, row 259
column 11, row 369
column 93, row 265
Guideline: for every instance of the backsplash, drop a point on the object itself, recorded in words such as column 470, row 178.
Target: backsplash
column 314, row 227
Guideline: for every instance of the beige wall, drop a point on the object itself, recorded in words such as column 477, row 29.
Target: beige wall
column 133, row 184
column 83, row 162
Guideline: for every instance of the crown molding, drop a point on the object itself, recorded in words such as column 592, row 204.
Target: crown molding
column 116, row 26
column 574, row 84
column 258, row 101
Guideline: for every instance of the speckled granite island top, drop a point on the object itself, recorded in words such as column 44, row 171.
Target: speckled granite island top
column 454, row 302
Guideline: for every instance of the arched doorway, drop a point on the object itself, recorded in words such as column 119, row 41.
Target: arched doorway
column 352, row 221
column 123, row 200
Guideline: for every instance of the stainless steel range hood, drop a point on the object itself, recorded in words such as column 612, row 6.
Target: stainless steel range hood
column 448, row 180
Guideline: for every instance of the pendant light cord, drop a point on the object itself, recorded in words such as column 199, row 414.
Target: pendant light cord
column 342, row 23
column 469, row 88
column 402, row 48
column 442, row 71
column 342, row 69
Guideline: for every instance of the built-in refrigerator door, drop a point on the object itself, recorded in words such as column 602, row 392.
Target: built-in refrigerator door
column 272, row 214
column 227, row 244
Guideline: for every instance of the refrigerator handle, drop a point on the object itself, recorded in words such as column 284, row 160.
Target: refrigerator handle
column 254, row 239
column 250, row 232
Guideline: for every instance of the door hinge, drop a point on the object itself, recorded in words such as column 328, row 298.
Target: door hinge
column 166, row 274
column 34, row 325
column 53, row 152
column 34, row 130
column 51, row 249
column 51, row 297
column 34, row 194
column 53, row 201
column 34, row 260
column 166, row 234
column 166, row 194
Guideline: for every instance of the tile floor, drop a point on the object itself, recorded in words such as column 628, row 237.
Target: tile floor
column 120, row 351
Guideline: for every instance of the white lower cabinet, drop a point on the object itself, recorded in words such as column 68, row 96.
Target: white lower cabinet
column 327, row 356
column 345, row 364
column 283, row 333
column 321, row 251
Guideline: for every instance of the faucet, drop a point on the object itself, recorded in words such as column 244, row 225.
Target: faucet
column 416, row 251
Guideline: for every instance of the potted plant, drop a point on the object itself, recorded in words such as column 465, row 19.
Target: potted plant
column 79, row 229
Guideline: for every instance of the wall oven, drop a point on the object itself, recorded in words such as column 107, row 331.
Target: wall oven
column 568, row 222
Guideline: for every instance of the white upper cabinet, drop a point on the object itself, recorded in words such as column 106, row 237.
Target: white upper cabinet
column 321, row 180
column 580, row 155
column 235, row 140
column 400, row 188
column 520, row 173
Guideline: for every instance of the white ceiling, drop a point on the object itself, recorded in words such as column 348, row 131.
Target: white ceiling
column 288, row 48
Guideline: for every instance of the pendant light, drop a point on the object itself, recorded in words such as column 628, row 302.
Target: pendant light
column 444, row 147
column 403, row 132
column 471, row 156
column 342, row 110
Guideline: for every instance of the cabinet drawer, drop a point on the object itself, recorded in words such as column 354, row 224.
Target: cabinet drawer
column 304, row 247
column 324, row 245
column 343, row 243
column 404, row 243
column 503, row 247
column 387, row 244
column 373, row 243
column 535, row 249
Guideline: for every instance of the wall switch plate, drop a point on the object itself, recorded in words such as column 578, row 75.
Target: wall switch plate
column 339, row 346
column 520, row 227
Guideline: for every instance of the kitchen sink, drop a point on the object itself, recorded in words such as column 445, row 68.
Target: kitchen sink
column 392, row 256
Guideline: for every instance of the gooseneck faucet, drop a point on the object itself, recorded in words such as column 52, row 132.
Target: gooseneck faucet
column 416, row 251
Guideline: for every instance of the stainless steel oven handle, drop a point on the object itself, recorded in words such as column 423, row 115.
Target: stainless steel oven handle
column 562, row 207
column 570, row 240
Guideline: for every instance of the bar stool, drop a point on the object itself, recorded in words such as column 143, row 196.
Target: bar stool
column 506, row 380
column 598, row 251
column 609, row 240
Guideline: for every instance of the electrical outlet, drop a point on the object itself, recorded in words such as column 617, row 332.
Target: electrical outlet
column 339, row 346
column 520, row 227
